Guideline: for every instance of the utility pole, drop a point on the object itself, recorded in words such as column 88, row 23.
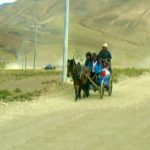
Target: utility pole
column 36, row 26
column 22, row 62
column 25, row 44
column 65, row 53
column 25, row 60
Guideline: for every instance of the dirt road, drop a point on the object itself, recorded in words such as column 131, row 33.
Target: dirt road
column 120, row 122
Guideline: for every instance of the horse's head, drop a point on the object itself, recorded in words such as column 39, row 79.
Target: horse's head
column 71, row 64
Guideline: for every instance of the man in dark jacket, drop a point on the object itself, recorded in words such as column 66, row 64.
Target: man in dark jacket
column 105, row 56
column 88, row 62
column 89, row 65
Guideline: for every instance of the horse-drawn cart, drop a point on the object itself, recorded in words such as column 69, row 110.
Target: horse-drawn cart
column 82, row 76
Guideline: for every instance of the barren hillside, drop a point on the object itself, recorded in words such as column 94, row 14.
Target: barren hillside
column 124, row 25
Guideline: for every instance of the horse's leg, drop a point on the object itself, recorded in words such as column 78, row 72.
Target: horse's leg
column 84, row 90
column 76, row 92
column 87, row 89
column 79, row 91
column 84, row 94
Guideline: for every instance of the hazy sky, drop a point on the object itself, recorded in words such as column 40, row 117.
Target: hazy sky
column 6, row 1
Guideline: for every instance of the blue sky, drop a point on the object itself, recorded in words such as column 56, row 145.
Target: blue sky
column 6, row 1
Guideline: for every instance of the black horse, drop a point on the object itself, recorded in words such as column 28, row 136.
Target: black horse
column 78, row 75
column 74, row 71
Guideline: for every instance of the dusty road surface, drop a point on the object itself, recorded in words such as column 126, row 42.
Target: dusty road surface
column 56, row 122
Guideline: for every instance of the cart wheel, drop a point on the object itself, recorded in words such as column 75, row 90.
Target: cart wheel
column 102, row 89
column 110, row 87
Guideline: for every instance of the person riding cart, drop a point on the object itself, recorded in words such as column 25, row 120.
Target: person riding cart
column 88, row 61
column 105, row 57
column 87, row 69
column 94, row 64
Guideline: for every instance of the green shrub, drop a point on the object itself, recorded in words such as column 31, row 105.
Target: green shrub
column 17, row 90
column 4, row 94
column 37, row 93
column 17, row 95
